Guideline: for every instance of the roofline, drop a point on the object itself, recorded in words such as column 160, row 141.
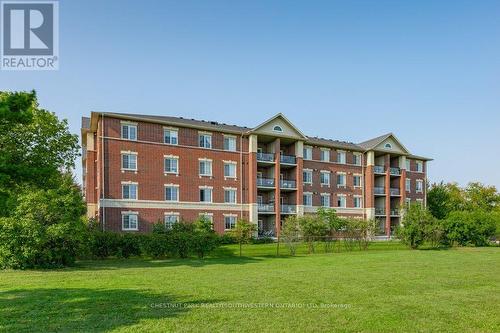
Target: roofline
column 274, row 117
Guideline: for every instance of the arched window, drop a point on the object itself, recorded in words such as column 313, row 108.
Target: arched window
column 277, row 128
column 388, row 146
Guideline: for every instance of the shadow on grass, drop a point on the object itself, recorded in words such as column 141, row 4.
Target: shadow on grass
column 87, row 310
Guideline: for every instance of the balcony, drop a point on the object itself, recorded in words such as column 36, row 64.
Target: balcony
column 288, row 184
column 379, row 169
column 265, row 157
column 288, row 209
column 379, row 211
column 379, row 190
column 394, row 212
column 288, row 159
column 395, row 171
column 265, row 208
column 394, row 191
column 265, row 182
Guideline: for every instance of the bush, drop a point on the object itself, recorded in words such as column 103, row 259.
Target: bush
column 470, row 227
column 227, row 238
column 157, row 245
column 416, row 226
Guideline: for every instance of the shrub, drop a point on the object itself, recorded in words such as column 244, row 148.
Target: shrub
column 227, row 238
column 470, row 227
column 312, row 227
column 157, row 245
column 243, row 232
column 291, row 233
column 416, row 225
column 262, row 240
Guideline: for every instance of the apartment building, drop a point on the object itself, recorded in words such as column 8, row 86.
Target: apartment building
column 139, row 170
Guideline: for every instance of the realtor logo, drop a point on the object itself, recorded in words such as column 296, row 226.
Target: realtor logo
column 30, row 35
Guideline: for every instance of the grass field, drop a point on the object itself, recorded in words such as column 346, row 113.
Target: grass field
column 386, row 289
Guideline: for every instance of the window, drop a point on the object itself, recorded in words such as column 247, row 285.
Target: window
column 341, row 201
column 388, row 146
column 307, row 175
column 325, row 155
column 325, row 178
column 341, row 157
column 325, row 200
column 129, row 161
column 205, row 194
column 205, row 167
column 308, row 152
column 408, row 185
column 129, row 191
column 130, row 221
column 229, row 222
column 171, row 164
column 205, row 140
column 341, row 179
column 207, row 217
column 308, row 200
column 408, row 165
column 230, row 169
column 171, row 192
column 229, row 143
column 407, row 201
column 420, row 202
column 357, row 201
column 171, row 136
column 170, row 219
column 277, row 128
column 356, row 159
column 420, row 166
column 356, row 180
column 230, row 195
column 129, row 131
column 419, row 186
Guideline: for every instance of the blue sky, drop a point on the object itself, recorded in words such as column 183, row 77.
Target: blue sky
column 429, row 71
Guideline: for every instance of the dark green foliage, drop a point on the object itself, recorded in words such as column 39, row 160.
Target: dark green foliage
column 416, row 227
column 227, row 238
column 470, row 227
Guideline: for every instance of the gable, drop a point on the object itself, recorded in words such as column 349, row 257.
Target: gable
column 395, row 146
column 279, row 126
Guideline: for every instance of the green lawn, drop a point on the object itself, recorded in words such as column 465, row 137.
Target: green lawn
column 386, row 289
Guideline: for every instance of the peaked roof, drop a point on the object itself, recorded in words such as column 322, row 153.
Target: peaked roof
column 285, row 119
column 372, row 143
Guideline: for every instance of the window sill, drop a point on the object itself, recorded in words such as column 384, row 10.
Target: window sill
column 129, row 170
column 171, row 173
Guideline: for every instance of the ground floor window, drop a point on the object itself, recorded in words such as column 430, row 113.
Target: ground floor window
column 170, row 220
column 229, row 222
column 130, row 221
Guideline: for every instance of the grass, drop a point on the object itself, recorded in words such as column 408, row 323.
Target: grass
column 385, row 289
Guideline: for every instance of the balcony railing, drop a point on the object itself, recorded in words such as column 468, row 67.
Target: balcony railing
column 288, row 209
column 379, row 211
column 394, row 191
column 265, row 182
column 395, row 171
column 378, row 169
column 288, row 183
column 265, row 157
column 378, row 190
column 394, row 212
column 288, row 159
column 265, row 207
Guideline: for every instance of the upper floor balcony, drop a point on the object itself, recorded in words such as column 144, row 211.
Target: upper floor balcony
column 378, row 190
column 288, row 184
column 395, row 191
column 288, row 159
column 380, row 211
column 288, row 209
column 265, row 208
column 380, row 169
column 265, row 182
column 395, row 171
column 395, row 212
column 265, row 157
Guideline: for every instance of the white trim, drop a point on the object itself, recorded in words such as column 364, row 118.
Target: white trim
column 171, row 156
column 204, row 133
column 172, row 213
column 205, row 187
column 175, row 205
column 129, row 214
column 230, row 188
column 171, row 128
column 230, row 215
column 128, row 152
column 127, row 122
column 128, row 182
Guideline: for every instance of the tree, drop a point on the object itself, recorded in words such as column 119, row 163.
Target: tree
column 312, row 228
column 36, row 146
column 470, row 227
column 417, row 222
column 243, row 232
column 291, row 233
column 481, row 197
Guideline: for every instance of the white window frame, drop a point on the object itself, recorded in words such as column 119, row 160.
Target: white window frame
column 325, row 195
column 170, row 157
column 230, row 138
column 324, row 152
column 129, row 126
column 130, row 184
column 325, row 172
column 408, row 185
column 207, row 134
column 360, row 176
column 176, row 186
column 407, row 201
column 310, row 172
column 206, row 188
column 309, row 195
column 420, row 166
column 128, row 153
column 341, row 160
column 408, row 164
column 357, row 156
column 208, row 216
column 171, row 130
column 235, row 191
column 421, row 182
column 344, row 185
column 230, row 163
column 421, row 202
column 232, row 225
column 170, row 215
column 357, row 197
column 339, row 196
column 308, row 149
column 206, row 160
column 129, row 214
